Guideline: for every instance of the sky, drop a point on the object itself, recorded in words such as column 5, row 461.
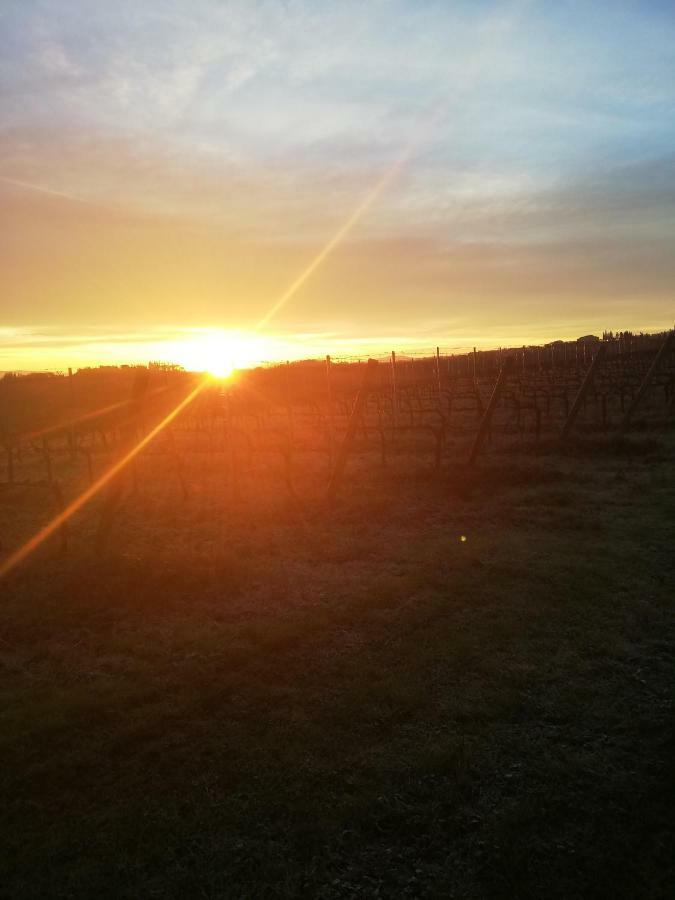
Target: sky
column 307, row 177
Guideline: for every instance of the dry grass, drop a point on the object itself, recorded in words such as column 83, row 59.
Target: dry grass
column 249, row 699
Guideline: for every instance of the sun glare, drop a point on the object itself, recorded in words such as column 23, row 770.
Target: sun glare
column 219, row 352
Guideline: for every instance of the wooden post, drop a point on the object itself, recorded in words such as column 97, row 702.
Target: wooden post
column 487, row 418
column 233, row 455
column 70, row 436
column 394, row 391
column 329, row 415
column 438, row 370
column 581, row 394
column 60, row 506
column 646, row 381
column 10, row 462
column 347, row 441
column 287, row 391
column 48, row 460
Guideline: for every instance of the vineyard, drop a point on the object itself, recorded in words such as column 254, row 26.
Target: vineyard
column 299, row 423
column 341, row 628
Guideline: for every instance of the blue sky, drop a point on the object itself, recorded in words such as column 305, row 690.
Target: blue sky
column 174, row 164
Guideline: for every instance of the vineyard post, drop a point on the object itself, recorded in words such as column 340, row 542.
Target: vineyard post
column 48, row 460
column 70, row 436
column 233, row 455
column 10, row 462
column 60, row 506
column 471, row 367
column 671, row 402
column 287, row 391
column 348, row 440
column 9, row 450
column 487, row 417
column 581, row 394
column 394, row 392
column 438, row 370
column 646, row 381
column 329, row 416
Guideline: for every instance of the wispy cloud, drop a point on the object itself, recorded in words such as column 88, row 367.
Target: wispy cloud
column 185, row 162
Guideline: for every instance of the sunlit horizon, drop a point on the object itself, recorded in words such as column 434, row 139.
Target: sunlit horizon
column 330, row 179
column 219, row 351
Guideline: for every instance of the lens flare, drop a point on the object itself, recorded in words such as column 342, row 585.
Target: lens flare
column 218, row 352
column 33, row 543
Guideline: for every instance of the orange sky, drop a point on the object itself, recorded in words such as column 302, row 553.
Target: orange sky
column 168, row 174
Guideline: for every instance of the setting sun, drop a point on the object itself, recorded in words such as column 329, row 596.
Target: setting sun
column 297, row 297
column 218, row 352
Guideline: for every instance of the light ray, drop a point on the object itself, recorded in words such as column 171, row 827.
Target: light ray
column 28, row 186
column 85, row 417
column 34, row 542
column 327, row 249
column 71, row 423
column 509, row 16
column 380, row 186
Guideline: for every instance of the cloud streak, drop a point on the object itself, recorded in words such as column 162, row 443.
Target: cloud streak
column 216, row 150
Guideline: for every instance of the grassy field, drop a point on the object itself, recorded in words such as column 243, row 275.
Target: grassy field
column 247, row 700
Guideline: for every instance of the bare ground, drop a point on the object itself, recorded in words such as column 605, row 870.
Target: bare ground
column 246, row 698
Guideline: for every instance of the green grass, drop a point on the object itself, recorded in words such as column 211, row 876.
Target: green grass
column 245, row 701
